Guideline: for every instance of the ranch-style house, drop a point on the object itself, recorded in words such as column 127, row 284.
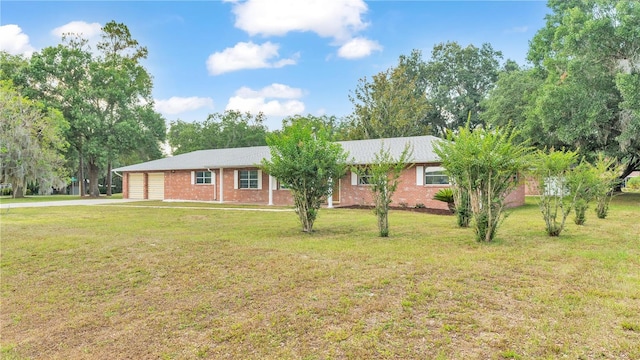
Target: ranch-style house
column 233, row 176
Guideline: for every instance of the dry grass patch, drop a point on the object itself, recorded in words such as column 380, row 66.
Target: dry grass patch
column 129, row 282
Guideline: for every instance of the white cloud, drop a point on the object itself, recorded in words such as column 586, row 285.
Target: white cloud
column 266, row 100
column 177, row 105
column 14, row 41
column 358, row 48
column 89, row 31
column 338, row 19
column 247, row 55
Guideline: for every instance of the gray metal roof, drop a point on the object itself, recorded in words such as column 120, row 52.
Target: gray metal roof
column 360, row 152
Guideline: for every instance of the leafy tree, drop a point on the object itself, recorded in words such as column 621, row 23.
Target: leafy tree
column 606, row 170
column 583, row 182
column 123, row 84
column 304, row 158
column 230, row 129
column 509, row 103
column 31, row 141
column 457, row 80
column 384, row 173
column 560, row 186
column 392, row 104
column 485, row 164
column 106, row 97
column 587, row 56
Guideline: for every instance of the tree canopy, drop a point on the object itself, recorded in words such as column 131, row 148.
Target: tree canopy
column 582, row 92
column 31, row 142
column 305, row 159
column 230, row 129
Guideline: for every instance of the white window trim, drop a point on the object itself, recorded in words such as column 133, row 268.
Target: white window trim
column 431, row 169
column 236, row 179
column 194, row 179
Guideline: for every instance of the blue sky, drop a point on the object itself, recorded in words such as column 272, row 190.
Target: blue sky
column 282, row 57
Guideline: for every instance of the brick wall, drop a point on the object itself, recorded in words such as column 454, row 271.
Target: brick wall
column 177, row 186
column 408, row 192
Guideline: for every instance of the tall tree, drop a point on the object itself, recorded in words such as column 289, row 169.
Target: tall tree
column 304, row 158
column 457, row 80
column 125, row 101
column 588, row 55
column 392, row 104
column 31, row 142
column 230, row 129
column 105, row 96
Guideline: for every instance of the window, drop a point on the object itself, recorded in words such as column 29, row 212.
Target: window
column 435, row 176
column 203, row 177
column 248, row 179
column 364, row 178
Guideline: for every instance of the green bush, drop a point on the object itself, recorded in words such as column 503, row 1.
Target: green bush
column 633, row 183
column 7, row 192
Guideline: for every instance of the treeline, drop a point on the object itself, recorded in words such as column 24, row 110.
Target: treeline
column 580, row 91
column 94, row 105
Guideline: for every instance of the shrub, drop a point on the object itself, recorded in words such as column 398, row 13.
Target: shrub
column 483, row 163
column 633, row 183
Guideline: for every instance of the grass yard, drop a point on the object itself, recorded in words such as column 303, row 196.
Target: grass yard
column 41, row 198
column 122, row 282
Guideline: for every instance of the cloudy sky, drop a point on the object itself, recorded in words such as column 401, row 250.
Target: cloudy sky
column 281, row 57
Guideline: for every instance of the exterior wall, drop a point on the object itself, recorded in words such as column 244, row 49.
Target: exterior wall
column 408, row 192
column 125, row 185
column 516, row 198
column 178, row 186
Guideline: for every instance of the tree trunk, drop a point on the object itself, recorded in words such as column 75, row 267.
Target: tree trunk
column 17, row 190
column 94, row 191
column 109, row 178
column 81, row 185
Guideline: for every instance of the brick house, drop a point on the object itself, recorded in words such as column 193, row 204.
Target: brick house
column 233, row 176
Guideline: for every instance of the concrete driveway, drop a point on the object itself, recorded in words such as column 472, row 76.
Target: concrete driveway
column 66, row 203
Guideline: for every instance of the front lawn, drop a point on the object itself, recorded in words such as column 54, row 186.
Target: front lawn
column 123, row 282
column 42, row 198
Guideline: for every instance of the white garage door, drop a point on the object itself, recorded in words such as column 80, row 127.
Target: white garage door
column 136, row 186
column 156, row 186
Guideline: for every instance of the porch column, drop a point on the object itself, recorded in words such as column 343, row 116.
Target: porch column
column 330, row 199
column 221, row 185
column 271, row 190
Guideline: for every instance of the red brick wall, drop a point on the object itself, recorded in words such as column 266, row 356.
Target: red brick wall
column 407, row 193
column 516, row 198
column 177, row 186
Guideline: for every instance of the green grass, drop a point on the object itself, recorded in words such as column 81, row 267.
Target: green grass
column 175, row 283
column 42, row 198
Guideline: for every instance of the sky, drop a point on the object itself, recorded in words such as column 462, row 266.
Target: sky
column 281, row 57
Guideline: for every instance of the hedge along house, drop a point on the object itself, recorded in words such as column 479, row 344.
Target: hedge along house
column 233, row 176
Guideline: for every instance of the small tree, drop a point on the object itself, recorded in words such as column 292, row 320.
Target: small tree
column 553, row 169
column 582, row 183
column 607, row 170
column 304, row 158
column 485, row 164
column 384, row 173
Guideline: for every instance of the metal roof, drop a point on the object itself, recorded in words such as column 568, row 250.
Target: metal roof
column 360, row 152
